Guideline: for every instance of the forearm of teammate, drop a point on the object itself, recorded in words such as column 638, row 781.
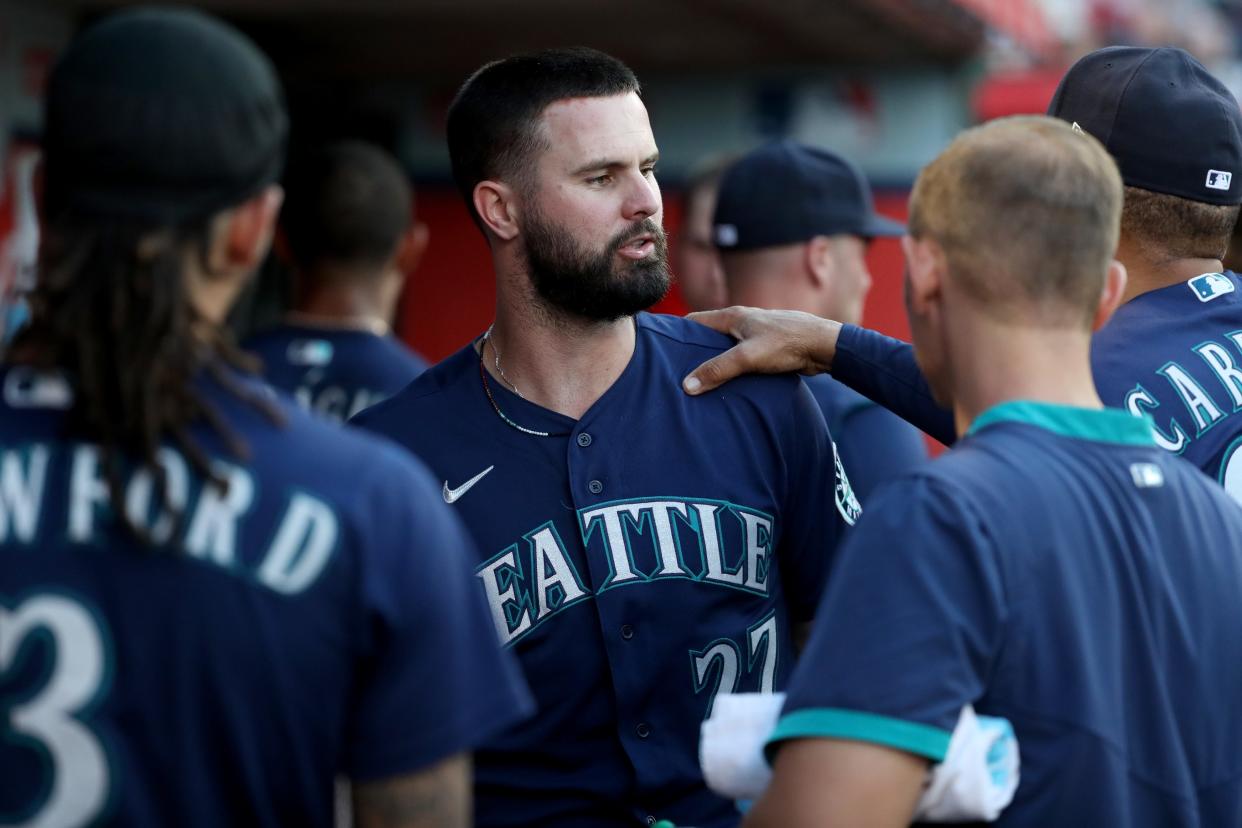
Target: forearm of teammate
column 438, row 797
column 773, row 341
column 834, row 782
column 884, row 370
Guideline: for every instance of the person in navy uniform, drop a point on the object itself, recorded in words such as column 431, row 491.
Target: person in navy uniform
column 793, row 224
column 642, row 551
column 348, row 226
column 1173, row 350
column 212, row 605
column 1056, row 568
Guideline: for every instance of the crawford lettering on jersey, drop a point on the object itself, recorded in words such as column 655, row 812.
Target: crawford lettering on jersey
column 1205, row 409
column 640, row 541
column 302, row 542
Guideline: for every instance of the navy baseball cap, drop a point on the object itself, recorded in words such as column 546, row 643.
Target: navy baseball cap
column 1171, row 126
column 785, row 192
column 161, row 115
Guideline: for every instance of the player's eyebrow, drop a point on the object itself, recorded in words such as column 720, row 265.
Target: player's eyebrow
column 612, row 164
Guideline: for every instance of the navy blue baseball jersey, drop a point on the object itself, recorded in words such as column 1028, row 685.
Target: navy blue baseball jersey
column 336, row 372
column 1173, row 353
column 639, row 561
column 315, row 618
column 1059, row 570
column 875, row 444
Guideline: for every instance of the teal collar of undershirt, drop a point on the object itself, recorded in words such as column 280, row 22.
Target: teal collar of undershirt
column 1101, row 425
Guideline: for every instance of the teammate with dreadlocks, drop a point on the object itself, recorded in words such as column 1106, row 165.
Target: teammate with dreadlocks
column 211, row 604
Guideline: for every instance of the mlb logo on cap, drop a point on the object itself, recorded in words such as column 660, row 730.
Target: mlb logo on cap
column 1211, row 285
column 1218, row 180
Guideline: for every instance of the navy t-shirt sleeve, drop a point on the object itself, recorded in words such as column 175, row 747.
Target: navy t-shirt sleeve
column 883, row 369
column 819, row 505
column 908, row 629
column 876, row 446
column 434, row 680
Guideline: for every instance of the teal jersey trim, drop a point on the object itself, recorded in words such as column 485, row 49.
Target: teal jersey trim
column 1100, row 425
column 835, row 723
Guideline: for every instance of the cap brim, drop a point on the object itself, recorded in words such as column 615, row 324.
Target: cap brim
column 879, row 227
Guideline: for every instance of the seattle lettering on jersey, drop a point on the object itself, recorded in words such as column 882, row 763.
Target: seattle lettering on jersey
column 301, row 545
column 640, row 540
column 1203, row 408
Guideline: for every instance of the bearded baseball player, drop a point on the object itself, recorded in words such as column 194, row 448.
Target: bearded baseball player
column 1173, row 350
column 212, row 605
column 642, row 551
column 1056, row 568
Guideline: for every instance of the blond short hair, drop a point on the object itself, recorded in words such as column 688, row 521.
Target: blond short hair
column 1027, row 211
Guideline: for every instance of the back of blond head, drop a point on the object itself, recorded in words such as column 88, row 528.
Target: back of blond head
column 1027, row 210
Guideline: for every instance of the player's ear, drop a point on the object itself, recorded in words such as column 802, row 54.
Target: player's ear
column 926, row 267
column 412, row 246
column 1110, row 297
column 249, row 228
column 818, row 259
column 496, row 204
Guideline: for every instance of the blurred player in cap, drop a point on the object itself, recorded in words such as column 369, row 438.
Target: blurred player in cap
column 211, row 604
column 792, row 223
column 1056, row 568
column 1174, row 348
column 695, row 260
column 642, row 551
column 348, row 224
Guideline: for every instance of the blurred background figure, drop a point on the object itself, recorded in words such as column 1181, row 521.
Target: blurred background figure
column 696, row 262
column 349, row 231
column 792, row 223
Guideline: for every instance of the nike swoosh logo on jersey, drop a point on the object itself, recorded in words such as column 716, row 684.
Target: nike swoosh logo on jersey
column 452, row 495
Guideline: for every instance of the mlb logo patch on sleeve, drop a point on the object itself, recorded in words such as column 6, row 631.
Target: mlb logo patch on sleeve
column 1218, row 179
column 1209, row 286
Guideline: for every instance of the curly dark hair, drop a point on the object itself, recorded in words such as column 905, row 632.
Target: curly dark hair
column 111, row 311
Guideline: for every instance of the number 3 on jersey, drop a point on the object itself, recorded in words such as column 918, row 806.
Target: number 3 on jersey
column 77, row 788
column 718, row 666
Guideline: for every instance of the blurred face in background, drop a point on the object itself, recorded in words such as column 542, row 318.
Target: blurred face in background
column 697, row 262
column 591, row 219
column 850, row 281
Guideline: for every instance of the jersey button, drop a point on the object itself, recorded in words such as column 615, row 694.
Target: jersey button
column 595, row 486
column 643, row 730
column 627, row 632
column 651, row 820
column 584, row 439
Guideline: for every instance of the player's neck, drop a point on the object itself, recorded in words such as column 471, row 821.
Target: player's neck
column 341, row 305
column 998, row 361
column 562, row 364
column 1147, row 270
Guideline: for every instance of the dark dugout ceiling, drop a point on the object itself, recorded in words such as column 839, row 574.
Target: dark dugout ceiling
column 438, row 40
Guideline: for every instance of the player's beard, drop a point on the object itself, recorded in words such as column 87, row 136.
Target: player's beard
column 600, row 287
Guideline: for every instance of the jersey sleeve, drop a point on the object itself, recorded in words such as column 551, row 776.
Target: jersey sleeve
column 434, row 681
column 876, row 446
column 819, row 508
column 883, row 369
column 908, row 629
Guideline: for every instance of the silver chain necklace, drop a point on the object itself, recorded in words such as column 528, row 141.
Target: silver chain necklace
column 487, row 337
column 487, row 389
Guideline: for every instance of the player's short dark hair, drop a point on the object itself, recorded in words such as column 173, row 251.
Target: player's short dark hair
column 347, row 204
column 493, row 121
column 1168, row 226
column 1028, row 213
